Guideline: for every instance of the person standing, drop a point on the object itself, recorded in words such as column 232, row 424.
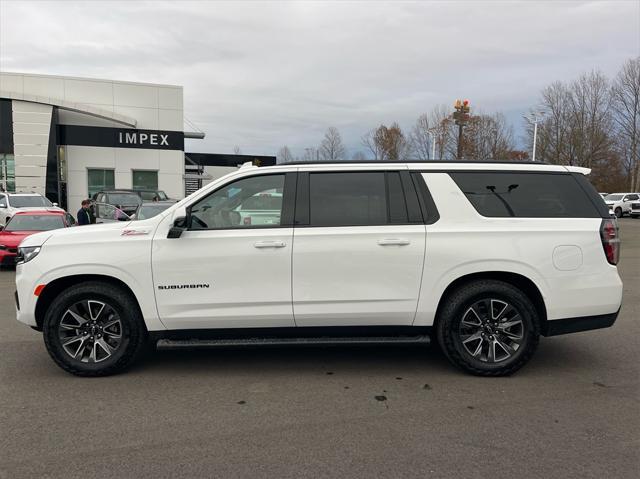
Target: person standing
column 83, row 213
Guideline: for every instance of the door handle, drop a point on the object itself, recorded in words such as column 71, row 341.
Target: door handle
column 270, row 244
column 393, row 241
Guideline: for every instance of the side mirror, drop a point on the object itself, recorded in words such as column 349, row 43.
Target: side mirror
column 180, row 224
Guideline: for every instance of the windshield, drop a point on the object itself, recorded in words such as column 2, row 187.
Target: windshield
column 149, row 211
column 150, row 195
column 35, row 223
column 613, row 197
column 124, row 199
column 29, row 201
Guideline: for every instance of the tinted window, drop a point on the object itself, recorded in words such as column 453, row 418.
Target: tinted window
column 128, row 199
column 225, row 208
column 347, row 199
column 35, row 223
column 530, row 195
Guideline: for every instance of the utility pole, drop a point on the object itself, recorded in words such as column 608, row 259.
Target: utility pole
column 461, row 116
column 534, row 118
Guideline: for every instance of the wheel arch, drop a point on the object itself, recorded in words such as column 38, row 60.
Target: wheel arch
column 52, row 289
column 526, row 285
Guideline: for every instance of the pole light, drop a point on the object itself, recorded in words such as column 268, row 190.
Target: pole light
column 534, row 118
column 432, row 134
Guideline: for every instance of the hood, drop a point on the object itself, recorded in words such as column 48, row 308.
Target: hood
column 77, row 234
column 12, row 239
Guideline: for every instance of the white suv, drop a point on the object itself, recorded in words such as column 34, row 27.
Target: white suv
column 10, row 203
column 485, row 257
column 620, row 203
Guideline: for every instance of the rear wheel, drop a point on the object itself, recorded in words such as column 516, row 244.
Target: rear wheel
column 618, row 212
column 488, row 328
column 94, row 329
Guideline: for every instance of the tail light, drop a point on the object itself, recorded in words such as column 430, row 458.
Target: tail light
column 610, row 240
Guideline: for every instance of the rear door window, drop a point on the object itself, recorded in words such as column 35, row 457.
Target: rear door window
column 347, row 199
column 527, row 195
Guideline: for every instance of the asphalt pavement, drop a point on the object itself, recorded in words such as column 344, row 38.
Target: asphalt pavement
column 573, row 411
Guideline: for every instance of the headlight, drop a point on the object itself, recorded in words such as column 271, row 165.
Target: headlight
column 27, row 253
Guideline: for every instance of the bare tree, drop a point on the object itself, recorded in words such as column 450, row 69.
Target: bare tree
column 387, row 143
column 488, row 137
column 331, row 148
column 435, row 126
column 625, row 95
column 359, row 156
column 237, row 150
column 577, row 128
column 373, row 146
column 284, row 155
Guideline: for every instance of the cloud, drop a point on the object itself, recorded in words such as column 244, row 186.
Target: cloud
column 261, row 75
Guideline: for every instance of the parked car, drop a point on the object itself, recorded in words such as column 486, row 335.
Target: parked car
column 635, row 209
column 149, row 210
column 25, row 223
column 153, row 195
column 126, row 200
column 106, row 213
column 620, row 203
column 10, row 203
column 483, row 257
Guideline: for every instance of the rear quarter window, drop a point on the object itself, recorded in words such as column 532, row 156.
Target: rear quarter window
column 526, row 195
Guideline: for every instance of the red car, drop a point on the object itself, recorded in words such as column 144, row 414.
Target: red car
column 25, row 223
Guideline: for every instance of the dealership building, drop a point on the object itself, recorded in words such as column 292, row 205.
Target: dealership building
column 68, row 138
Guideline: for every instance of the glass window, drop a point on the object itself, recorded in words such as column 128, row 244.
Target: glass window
column 347, row 199
column 247, row 203
column 7, row 173
column 145, row 180
column 124, row 199
column 99, row 179
column 149, row 211
column 35, row 223
column 529, row 195
column 29, row 201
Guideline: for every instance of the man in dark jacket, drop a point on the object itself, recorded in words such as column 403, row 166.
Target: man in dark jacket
column 83, row 213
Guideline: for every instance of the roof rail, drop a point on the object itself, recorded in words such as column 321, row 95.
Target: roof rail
column 350, row 162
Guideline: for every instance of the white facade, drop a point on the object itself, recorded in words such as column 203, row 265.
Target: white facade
column 39, row 101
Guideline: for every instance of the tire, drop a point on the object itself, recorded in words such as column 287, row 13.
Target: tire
column 510, row 339
column 618, row 212
column 87, row 339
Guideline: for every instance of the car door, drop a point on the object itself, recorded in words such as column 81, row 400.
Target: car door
column 224, row 271
column 359, row 247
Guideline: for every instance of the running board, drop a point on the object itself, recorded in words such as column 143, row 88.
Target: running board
column 337, row 341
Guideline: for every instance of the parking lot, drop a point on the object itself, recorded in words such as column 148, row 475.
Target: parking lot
column 574, row 411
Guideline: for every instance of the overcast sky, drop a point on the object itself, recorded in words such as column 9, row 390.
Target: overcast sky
column 261, row 75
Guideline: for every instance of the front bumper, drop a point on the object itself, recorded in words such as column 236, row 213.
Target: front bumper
column 556, row 327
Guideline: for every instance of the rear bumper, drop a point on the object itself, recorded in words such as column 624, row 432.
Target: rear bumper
column 7, row 258
column 575, row 325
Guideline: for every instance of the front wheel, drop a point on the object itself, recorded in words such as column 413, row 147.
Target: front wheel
column 94, row 329
column 618, row 212
column 488, row 328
